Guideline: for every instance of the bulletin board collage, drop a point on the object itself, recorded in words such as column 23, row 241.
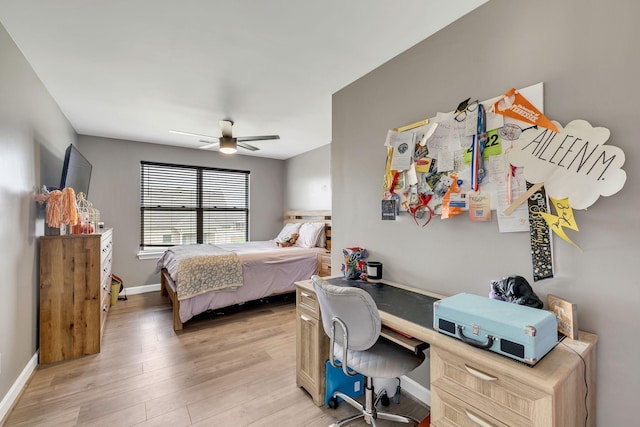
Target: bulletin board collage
column 503, row 157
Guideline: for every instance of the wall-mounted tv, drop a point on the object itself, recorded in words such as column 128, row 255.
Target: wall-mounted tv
column 76, row 171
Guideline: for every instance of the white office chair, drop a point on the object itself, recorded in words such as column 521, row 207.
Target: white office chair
column 351, row 320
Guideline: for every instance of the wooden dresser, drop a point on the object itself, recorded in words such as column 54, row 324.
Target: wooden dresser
column 75, row 287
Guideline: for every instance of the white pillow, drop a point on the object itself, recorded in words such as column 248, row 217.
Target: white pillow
column 309, row 234
column 288, row 230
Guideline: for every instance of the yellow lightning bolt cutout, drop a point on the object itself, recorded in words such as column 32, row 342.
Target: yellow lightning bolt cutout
column 564, row 218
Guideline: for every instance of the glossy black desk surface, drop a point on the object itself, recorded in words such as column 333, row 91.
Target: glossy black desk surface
column 414, row 307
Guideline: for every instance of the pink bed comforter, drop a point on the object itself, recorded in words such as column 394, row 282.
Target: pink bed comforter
column 266, row 269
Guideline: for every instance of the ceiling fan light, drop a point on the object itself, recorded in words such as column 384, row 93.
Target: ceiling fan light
column 228, row 145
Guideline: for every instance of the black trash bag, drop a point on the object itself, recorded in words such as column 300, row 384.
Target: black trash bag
column 514, row 289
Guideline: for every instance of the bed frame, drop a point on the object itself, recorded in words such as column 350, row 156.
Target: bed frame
column 168, row 287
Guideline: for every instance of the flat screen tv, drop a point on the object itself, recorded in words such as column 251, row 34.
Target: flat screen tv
column 76, row 171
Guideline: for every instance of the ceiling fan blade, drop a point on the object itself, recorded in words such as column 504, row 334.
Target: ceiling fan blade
column 225, row 128
column 208, row 145
column 257, row 138
column 246, row 146
column 179, row 132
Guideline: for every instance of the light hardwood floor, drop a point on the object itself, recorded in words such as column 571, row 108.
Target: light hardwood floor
column 236, row 369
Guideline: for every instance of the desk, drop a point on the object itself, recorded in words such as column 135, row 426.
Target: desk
column 469, row 386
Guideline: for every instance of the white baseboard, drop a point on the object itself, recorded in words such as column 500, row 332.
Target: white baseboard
column 15, row 390
column 142, row 289
column 418, row 391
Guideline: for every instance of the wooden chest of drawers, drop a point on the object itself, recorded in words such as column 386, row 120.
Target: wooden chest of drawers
column 75, row 287
column 471, row 387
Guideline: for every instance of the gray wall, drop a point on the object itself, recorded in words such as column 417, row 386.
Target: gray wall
column 308, row 178
column 584, row 53
column 115, row 191
column 33, row 136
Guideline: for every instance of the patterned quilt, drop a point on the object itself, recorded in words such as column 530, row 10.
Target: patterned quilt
column 203, row 268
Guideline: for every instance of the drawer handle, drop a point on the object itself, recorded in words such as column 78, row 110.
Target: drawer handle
column 305, row 295
column 476, row 419
column 473, row 342
column 479, row 374
column 305, row 318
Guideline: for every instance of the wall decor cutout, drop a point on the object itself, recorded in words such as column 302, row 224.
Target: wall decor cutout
column 563, row 218
column 574, row 163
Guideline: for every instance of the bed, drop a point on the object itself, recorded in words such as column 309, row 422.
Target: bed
column 237, row 273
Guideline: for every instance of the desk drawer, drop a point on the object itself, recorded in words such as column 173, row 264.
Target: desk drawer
column 308, row 302
column 481, row 385
column 449, row 411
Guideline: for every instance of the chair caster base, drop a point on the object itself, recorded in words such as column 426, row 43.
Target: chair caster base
column 368, row 411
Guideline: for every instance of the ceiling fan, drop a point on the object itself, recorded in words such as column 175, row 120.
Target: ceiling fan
column 227, row 142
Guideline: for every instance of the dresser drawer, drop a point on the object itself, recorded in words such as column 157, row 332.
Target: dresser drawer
column 104, row 310
column 105, row 299
column 307, row 302
column 482, row 386
column 449, row 411
column 105, row 269
column 106, row 245
column 105, row 289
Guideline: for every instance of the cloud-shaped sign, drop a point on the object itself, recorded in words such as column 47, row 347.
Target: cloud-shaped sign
column 573, row 163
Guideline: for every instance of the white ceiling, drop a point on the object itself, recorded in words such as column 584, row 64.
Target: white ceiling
column 133, row 69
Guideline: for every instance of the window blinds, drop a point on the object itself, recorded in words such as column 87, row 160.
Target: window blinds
column 190, row 204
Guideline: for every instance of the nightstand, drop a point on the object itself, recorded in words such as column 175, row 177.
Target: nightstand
column 324, row 264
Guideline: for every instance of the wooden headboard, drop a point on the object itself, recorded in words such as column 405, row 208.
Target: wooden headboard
column 312, row 216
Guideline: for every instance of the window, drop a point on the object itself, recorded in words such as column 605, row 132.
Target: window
column 190, row 204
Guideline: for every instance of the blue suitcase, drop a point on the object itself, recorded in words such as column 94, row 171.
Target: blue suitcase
column 516, row 331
